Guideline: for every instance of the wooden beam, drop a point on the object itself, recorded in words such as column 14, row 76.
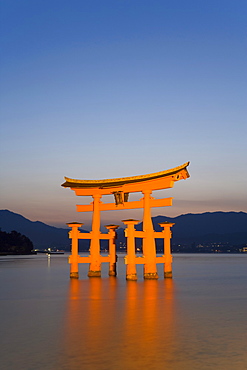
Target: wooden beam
column 126, row 205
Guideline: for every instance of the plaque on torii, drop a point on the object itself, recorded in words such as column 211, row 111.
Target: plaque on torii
column 120, row 189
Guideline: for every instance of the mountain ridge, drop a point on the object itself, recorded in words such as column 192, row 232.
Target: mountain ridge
column 42, row 235
column 208, row 227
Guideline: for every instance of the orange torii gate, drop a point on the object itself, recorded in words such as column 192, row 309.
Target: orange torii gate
column 120, row 189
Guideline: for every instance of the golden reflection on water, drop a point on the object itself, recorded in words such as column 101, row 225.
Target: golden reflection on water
column 195, row 321
column 149, row 323
column 123, row 325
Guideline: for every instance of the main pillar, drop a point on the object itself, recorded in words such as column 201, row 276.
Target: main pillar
column 149, row 249
column 95, row 265
column 74, row 257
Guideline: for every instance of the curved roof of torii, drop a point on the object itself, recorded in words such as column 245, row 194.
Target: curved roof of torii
column 107, row 183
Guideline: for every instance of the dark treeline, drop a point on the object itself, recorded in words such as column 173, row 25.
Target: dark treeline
column 15, row 243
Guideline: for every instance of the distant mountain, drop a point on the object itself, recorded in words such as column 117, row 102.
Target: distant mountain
column 43, row 236
column 209, row 222
column 209, row 227
column 229, row 228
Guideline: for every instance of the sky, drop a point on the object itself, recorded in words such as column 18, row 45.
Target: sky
column 94, row 89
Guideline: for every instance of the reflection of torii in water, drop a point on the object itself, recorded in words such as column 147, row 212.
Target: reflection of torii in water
column 120, row 188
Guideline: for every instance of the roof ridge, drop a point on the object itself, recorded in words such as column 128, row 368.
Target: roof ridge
column 129, row 178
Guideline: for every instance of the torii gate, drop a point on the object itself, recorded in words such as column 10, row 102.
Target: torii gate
column 120, row 189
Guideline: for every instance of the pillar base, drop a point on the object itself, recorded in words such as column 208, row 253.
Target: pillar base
column 74, row 275
column 151, row 275
column 168, row 274
column 131, row 277
column 94, row 273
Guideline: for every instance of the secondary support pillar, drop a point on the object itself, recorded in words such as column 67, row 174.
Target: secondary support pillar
column 112, row 249
column 167, row 248
column 131, row 257
column 74, row 257
column 149, row 248
column 95, row 265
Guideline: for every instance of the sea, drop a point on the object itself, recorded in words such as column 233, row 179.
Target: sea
column 195, row 321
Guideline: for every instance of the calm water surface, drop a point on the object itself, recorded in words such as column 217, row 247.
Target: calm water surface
column 196, row 321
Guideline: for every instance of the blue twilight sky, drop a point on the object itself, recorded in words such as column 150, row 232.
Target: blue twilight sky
column 100, row 89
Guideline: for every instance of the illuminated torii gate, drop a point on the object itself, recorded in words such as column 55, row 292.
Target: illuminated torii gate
column 120, row 188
